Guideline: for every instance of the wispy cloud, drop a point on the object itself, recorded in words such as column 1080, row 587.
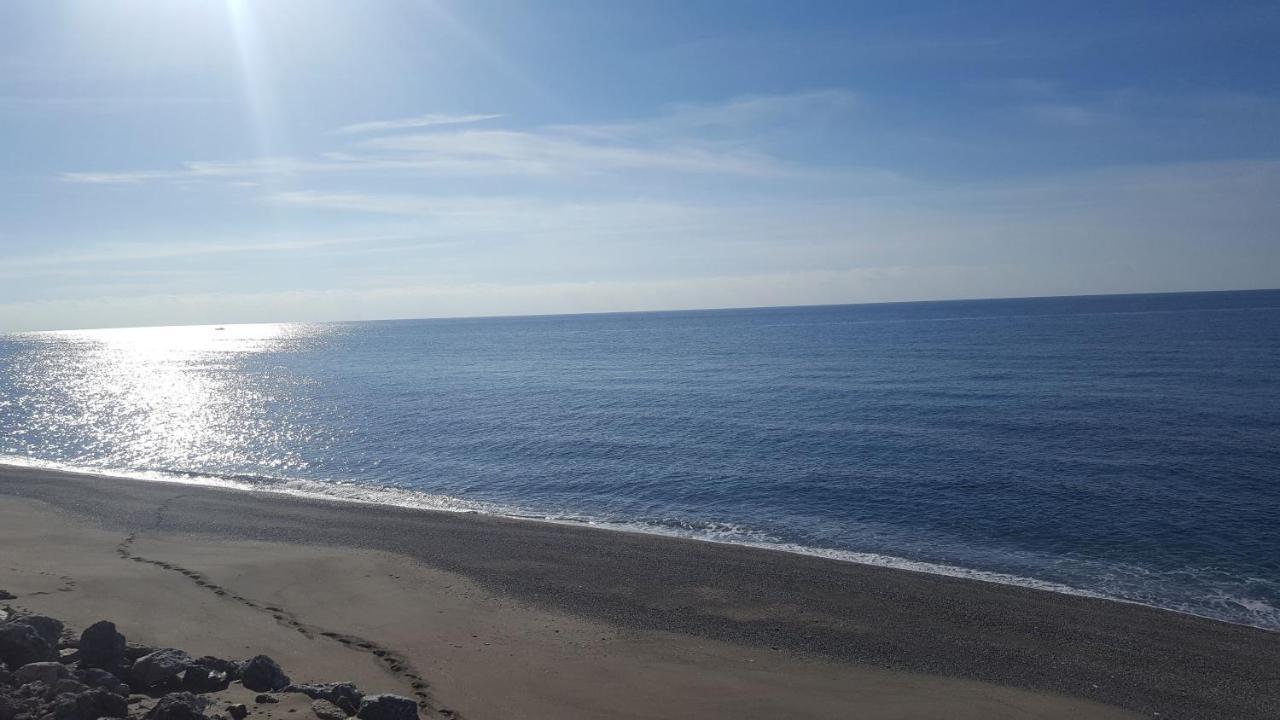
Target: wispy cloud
column 732, row 118
column 198, row 170
column 553, row 152
column 718, row 139
column 138, row 252
column 418, row 121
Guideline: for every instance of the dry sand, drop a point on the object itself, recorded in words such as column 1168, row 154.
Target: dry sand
column 388, row 598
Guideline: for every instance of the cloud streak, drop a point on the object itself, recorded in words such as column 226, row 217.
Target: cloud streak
column 418, row 121
column 708, row 139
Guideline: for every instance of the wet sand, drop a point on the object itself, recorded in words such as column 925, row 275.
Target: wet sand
column 497, row 618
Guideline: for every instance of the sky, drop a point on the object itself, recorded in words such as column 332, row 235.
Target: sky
column 220, row 161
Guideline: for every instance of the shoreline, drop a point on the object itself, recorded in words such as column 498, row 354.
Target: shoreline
column 466, row 507
column 878, row 560
column 804, row 608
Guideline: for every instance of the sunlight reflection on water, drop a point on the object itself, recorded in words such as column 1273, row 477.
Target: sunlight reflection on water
column 160, row 398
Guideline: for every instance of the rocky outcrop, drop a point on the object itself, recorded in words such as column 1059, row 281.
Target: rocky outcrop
column 100, row 675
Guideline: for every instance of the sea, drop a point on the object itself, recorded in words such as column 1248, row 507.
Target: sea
column 1125, row 447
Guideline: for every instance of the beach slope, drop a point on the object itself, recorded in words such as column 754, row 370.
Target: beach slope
column 496, row 618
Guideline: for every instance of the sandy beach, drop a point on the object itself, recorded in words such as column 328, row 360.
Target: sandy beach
column 496, row 618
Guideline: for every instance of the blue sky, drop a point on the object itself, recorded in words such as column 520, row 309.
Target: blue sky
column 218, row 161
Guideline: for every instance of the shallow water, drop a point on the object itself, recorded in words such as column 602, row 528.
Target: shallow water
column 1123, row 446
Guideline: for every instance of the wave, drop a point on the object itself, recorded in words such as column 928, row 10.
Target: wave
column 1216, row 604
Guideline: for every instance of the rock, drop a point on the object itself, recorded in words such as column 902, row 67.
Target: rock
column 344, row 694
column 90, row 704
column 133, row 651
column 94, row 677
column 47, row 628
column 262, row 674
column 31, row 689
column 68, row 686
column 20, row 645
column 7, row 709
column 6, row 677
column 387, row 707
column 178, row 706
column 101, row 646
column 237, row 712
column 6, row 595
column 45, row 672
column 200, row 679
column 265, row 699
column 230, row 667
column 326, row 710
column 157, row 668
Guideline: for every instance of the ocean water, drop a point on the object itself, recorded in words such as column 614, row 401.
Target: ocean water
column 1122, row 446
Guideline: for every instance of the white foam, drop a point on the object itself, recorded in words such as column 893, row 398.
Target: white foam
column 1262, row 615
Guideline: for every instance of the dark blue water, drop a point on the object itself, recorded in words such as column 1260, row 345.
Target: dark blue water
column 1127, row 446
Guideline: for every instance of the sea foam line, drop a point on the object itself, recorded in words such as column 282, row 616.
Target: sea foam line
column 351, row 492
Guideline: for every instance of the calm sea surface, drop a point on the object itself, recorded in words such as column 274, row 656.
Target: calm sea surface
column 1123, row 446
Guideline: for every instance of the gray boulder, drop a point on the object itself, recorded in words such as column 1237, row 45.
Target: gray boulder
column 7, row 708
column 178, row 706
column 344, row 694
column 238, row 711
column 387, row 707
column 45, row 672
column 262, row 674
column 20, row 645
column 101, row 646
column 158, row 668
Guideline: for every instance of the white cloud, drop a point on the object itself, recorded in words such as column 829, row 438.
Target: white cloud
column 717, row 139
column 548, row 152
column 136, row 252
column 418, row 121
column 199, row 170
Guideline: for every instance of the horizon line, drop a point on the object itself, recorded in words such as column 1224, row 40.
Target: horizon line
column 728, row 308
